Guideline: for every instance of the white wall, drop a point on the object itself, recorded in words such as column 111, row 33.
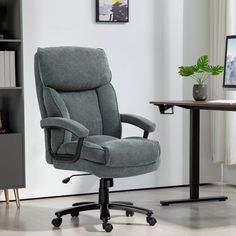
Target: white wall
column 229, row 174
column 144, row 56
column 130, row 50
column 196, row 41
column 169, row 55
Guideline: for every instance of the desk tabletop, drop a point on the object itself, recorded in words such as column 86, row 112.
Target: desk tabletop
column 204, row 105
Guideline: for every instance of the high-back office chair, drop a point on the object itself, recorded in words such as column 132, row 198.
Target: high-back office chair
column 83, row 126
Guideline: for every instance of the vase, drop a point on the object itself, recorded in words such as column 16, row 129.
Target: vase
column 200, row 92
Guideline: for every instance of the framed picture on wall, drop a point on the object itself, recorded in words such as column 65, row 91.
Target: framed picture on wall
column 230, row 63
column 112, row 10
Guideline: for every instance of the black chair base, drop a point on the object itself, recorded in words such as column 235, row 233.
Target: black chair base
column 104, row 206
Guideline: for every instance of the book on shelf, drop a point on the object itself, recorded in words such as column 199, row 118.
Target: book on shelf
column 12, row 69
column 2, row 64
column 7, row 69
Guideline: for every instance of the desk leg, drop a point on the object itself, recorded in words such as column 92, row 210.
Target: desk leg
column 194, row 153
column 194, row 164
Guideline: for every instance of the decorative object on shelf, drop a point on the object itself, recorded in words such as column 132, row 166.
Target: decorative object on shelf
column 200, row 73
column 2, row 123
column 1, row 36
column 112, row 10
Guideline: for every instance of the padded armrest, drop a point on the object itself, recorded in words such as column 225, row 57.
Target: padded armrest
column 63, row 123
column 138, row 121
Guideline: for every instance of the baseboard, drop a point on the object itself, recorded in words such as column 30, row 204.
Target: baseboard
column 116, row 191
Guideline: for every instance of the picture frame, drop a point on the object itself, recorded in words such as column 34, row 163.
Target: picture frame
column 229, row 79
column 113, row 11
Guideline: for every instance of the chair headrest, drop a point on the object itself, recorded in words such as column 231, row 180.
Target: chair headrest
column 73, row 68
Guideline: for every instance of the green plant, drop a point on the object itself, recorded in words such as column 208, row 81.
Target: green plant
column 201, row 71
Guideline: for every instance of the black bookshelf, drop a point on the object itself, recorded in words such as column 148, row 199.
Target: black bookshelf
column 12, row 160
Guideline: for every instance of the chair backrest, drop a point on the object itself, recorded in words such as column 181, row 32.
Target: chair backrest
column 74, row 82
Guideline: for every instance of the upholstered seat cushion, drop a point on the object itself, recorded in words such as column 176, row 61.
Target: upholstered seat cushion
column 115, row 152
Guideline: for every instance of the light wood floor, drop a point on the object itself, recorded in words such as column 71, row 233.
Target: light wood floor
column 198, row 219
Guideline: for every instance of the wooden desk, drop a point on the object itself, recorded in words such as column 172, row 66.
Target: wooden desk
column 167, row 107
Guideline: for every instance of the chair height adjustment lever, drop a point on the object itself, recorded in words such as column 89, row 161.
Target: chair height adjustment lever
column 67, row 180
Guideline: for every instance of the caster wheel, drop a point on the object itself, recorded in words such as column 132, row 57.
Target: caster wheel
column 107, row 227
column 151, row 220
column 56, row 222
column 74, row 214
column 129, row 213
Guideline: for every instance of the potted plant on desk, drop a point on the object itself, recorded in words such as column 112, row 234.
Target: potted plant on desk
column 200, row 73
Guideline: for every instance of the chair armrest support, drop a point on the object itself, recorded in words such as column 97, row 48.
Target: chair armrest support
column 138, row 121
column 70, row 125
column 63, row 123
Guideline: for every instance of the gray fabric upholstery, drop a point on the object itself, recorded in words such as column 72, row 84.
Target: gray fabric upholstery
column 116, row 152
column 104, row 171
column 99, row 139
column 138, row 121
column 39, row 89
column 91, row 150
column 56, row 100
column 89, row 115
column 75, row 97
column 55, row 107
column 73, row 68
column 68, row 124
column 131, row 152
column 58, row 125
column 109, row 110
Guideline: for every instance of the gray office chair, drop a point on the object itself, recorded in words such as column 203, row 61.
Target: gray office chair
column 83, row 126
